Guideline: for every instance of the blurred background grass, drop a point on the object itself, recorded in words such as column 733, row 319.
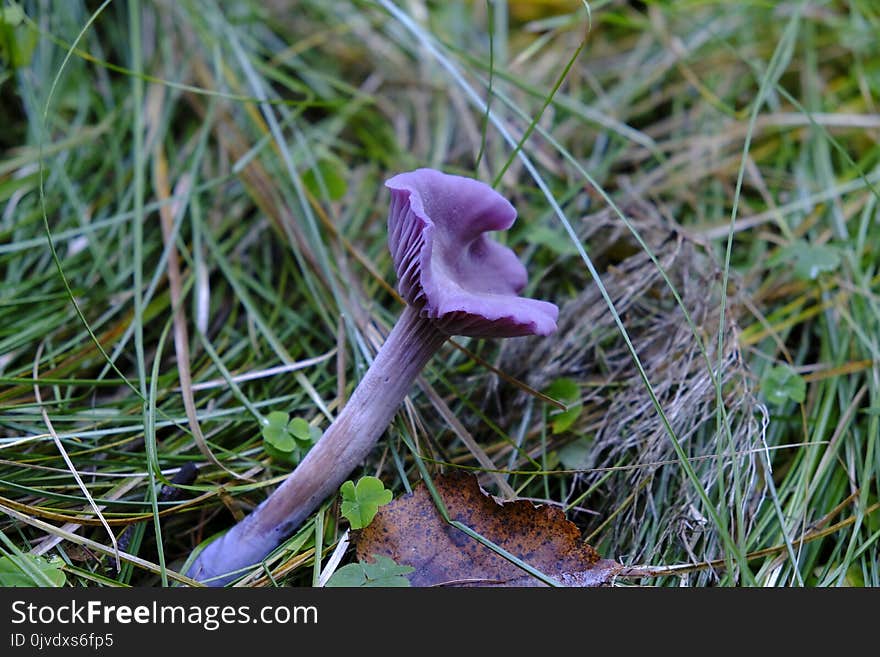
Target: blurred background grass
column 192, row 236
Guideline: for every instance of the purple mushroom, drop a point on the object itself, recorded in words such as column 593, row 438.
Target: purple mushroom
column 456, row 281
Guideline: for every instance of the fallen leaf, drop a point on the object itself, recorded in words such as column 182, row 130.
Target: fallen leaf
column 411, row 531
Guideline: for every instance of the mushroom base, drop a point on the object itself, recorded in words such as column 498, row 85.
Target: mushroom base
column 344, row 445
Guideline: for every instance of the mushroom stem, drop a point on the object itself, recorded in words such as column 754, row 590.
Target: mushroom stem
column 344, row 445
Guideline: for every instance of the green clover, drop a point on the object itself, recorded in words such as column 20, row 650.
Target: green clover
column 361, row 502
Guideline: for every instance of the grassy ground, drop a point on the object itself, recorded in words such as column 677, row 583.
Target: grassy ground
column 192, row 200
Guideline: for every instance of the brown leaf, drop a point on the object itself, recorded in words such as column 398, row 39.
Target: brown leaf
column 411, row 531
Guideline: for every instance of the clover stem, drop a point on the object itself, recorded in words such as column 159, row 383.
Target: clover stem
column 344, row 445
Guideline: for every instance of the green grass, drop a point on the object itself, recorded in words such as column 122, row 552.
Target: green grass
column 192, row 199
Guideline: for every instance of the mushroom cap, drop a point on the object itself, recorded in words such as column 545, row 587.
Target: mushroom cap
column 449, row 268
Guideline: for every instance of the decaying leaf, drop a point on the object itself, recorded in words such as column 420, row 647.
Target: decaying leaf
column 411, row 531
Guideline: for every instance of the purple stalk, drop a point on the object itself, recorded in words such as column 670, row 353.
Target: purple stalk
column 344, row 445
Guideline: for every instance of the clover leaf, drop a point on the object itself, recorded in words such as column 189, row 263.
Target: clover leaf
column 807, row 260
column 361, row 501
column 782, row 383
column 30, row 570
column 384, row 572
column 568, row 392
column 287, row 439
column 333, row 176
